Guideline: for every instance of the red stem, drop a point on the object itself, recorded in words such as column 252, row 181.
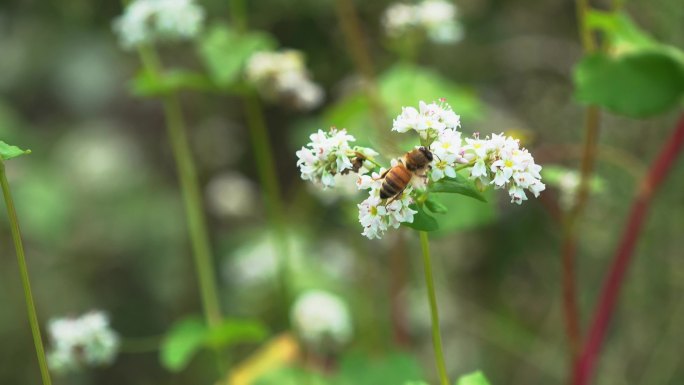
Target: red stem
column 584, row 369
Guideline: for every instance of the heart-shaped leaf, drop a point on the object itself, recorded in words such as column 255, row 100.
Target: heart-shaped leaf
column 638, row 84
column 435, row 206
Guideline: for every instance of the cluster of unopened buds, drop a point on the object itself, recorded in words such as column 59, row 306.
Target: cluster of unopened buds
column 393, row 193
column 282, row 76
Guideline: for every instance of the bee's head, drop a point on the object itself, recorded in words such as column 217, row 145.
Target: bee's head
column 426, row 151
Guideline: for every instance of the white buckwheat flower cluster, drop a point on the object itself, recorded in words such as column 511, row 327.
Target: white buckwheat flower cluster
column 329, row 153
column 376, row 215
column 497, row 160
column 500, row 161
column 80, row 342
column 437, row 123
column 321, row 320
column 437, row 18
column 283, row 76
column 149, row 21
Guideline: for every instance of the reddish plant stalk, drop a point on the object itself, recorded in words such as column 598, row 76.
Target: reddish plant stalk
column 569, row 247
column 584, row 368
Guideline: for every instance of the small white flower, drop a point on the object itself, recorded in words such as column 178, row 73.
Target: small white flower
column 282, row 75
column 231, row 194
column 149, row 21
column 80, row 342
column 321, row 319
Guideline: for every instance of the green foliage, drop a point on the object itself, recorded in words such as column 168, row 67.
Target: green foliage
column 225, row 51
column 8, row 151
column 182, row 342
column 457, row 185
column 148, row 84
column 235, row 331
column 637, row 76
column 435, row 206
column 422, row 221
column 465, row 212
column 553, row 176
column 355, row 369
column 395, row 368
column 475, row 378
column 190, row 335
column 401, row 85
column 404, row 85
column 639, row 84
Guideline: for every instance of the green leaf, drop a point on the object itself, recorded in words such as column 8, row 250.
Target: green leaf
column 395, row 368
column 235, row 331
column 149, row 84
column 405, row 85
column 401, row 85
column 190, row 335
column 7, row 151
column 465, row 212
column 422, row 221
column 457, row 185
column 416, row 383
column 637, row 76
column 475, row 378
column 435, row 206
column 225, row 51
column 638, row 84
column 182, row 342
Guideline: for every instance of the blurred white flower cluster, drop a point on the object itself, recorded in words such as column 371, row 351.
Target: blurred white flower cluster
column 321, row 320
column 436, row 18
column 81, row 342
column 329, row 154
column 149, row 21
column 282, row 76
column 375, row 215
column 500, row 161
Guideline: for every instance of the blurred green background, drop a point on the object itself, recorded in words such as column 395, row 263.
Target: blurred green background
column 104, row 226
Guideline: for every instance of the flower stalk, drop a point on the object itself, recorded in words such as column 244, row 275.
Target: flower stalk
column 23, row 271
column 187, row 174
column 585, row 366
column 434, row 311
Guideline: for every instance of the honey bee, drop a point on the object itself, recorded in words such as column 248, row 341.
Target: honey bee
column 414, row 163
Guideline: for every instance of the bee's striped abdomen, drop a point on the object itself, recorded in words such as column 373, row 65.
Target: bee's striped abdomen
column 396, row 180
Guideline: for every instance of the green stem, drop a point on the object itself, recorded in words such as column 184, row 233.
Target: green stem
column 23, row 270
column 187, row 174
column 434, row 313
column 266, row 170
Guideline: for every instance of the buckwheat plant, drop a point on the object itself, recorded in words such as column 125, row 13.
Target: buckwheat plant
column 81, row 342
column 460, row 165
column 148, row 21
column 282, row 76
column 436, row 18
